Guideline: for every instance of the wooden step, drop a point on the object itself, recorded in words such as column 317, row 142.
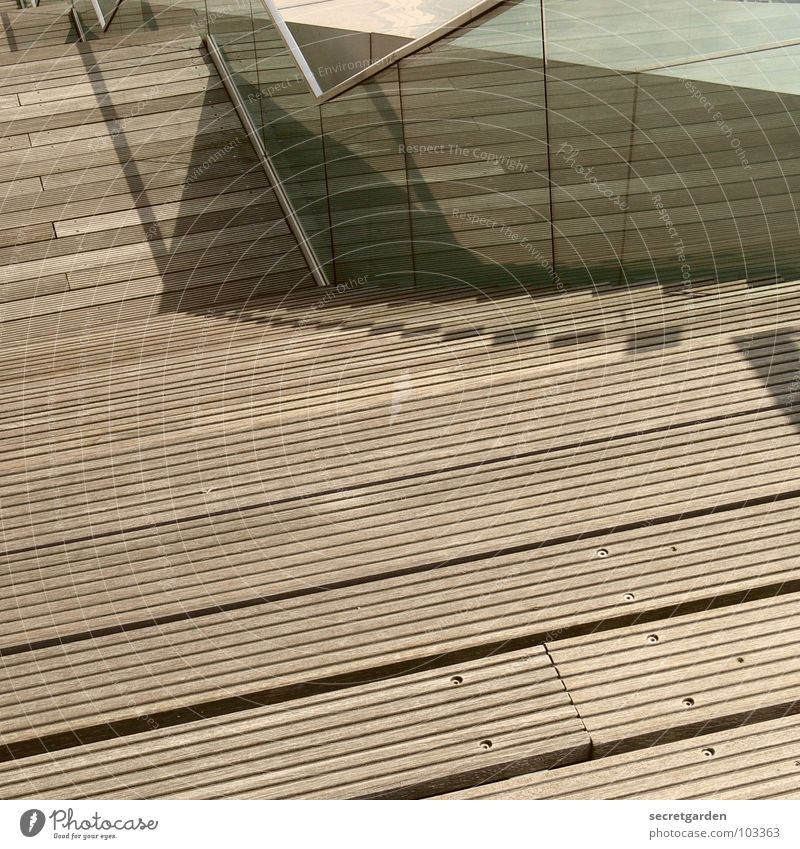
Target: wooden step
column 599, row 404
column 427, row 609
column 532, row 497
column 110, row 46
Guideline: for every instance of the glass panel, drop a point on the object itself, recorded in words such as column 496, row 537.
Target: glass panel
column 367, row 182
column 716, row 146
column 283, row 110
column 476, row 145
column 590, row 118
column 667, row 150
column 672, row 173
column 629, row 36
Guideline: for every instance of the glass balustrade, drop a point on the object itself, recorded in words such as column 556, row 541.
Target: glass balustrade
column 556, row 144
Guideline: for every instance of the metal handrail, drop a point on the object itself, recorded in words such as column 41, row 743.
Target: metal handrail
column 292, row 220
column 379, row 64
column 103, row 19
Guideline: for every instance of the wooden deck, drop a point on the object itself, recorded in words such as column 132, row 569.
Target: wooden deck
column 263, row 540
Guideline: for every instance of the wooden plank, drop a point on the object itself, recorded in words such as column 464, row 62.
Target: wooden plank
column 33, row 288
column 299, row 328
column 124, row 143
column 196, row 264
column 17, row 142
column 101, row 74
column 163, row 184
column 421, row 607
column 601, row 402
column 491, row 717
column 294, row 336
column 193, row 87
column 149, row 103
column 273, row 279
column 18, row 238
column 134, row 198
column 108, row 46
column 19, row 187
column 533, row 497
column 38, row 165
column 755, row 761
column 135, row 123
column 81, row 63
column 179, row 234
column 129, row 85
column 161, row 212
column 167, row 170
column 657, row 682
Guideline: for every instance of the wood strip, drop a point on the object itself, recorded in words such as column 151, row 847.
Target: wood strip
column 489, row 717
column 150, row 104
column 193, row 87
column 187, row 160
column 265, row 252
column 135, row 123
column 19, row 187
column 98, row 75
column 33, row 288
column 531, row 498
column 179, row 234
column 125, row 144
column 161, row 212
column 132, row 198
column 753, row 762
column 434, row 609
column 651, row 683
column 273, row 279
column 130, row 60
column 129, row 468
column 76, row 91
column 296, row 338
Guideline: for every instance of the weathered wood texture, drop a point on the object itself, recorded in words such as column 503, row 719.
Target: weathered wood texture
column 397, row 737
column 756, row 761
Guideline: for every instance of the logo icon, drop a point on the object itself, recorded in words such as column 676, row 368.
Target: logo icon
column 31, row 822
